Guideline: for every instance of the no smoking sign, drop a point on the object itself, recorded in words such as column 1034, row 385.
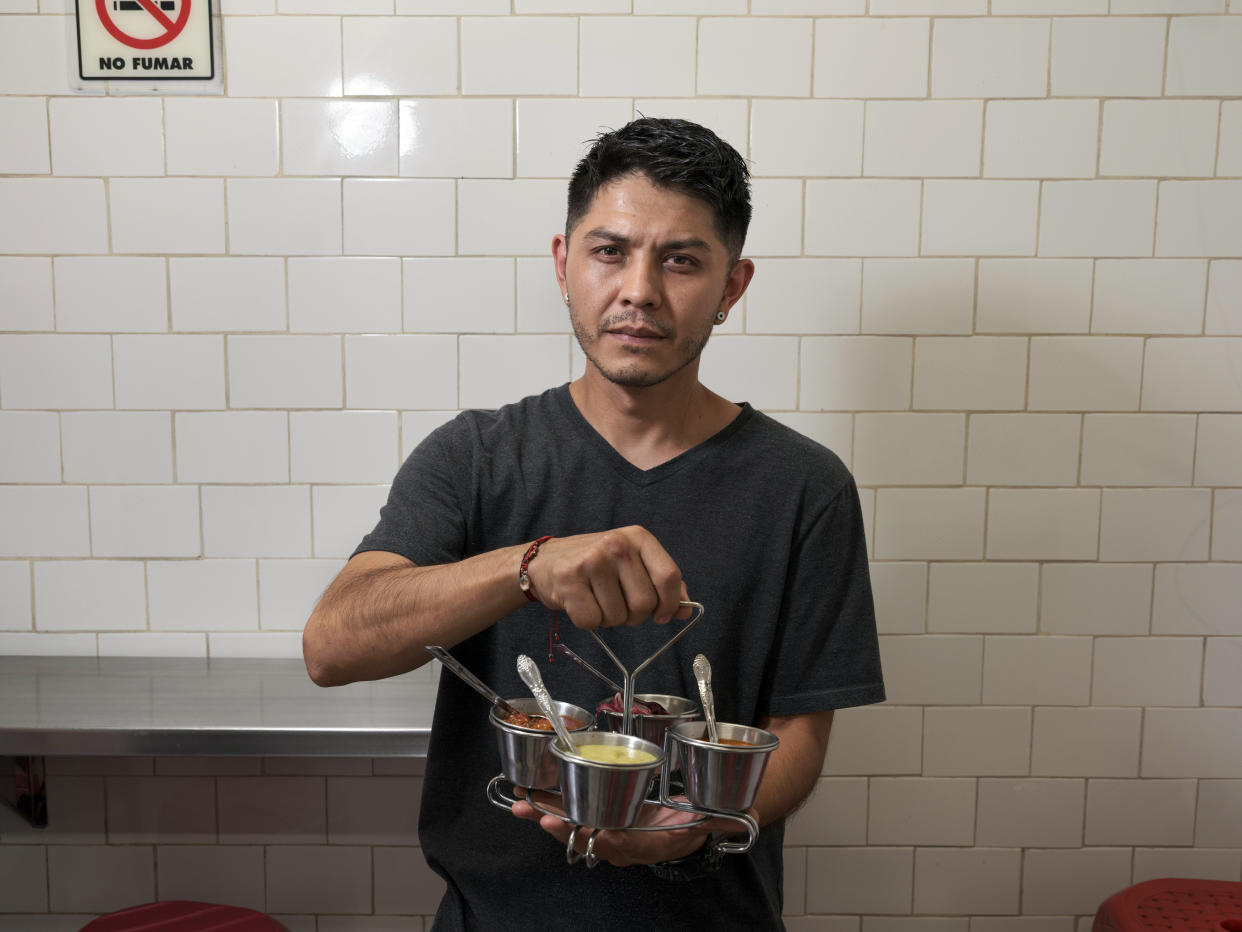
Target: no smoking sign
column 145, row 40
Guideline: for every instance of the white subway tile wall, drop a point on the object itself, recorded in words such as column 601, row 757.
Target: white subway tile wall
column 999, row 273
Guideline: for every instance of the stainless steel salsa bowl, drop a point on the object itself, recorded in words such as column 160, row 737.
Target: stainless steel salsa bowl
column 651, row 727
column 721, row 776
column 525, row 753
column 605, row 795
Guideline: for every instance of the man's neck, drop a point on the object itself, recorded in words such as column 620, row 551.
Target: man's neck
column 652, row 425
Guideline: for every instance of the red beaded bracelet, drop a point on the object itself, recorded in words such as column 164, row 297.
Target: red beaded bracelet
column 523, row 575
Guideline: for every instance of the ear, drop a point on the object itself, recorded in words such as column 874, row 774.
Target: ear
column 736, row 284
column 560, row 252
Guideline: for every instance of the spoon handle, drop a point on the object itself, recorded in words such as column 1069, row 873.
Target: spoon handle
column 530, row 676
column 703, row 673
column 566, row 651
column 479, row 686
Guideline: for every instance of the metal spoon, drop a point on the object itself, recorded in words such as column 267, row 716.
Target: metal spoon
column 703, row 673
column 477, row 684
column 530, row 676
column 565, row 650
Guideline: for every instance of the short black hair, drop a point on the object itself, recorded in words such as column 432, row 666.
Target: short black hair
column 675, row 154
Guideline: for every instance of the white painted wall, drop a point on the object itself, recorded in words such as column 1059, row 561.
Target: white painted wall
column 1000, row 272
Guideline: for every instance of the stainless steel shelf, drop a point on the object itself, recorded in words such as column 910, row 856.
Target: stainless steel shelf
column 52, row 706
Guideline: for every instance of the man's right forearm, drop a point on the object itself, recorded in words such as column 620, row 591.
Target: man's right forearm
column 380, row 613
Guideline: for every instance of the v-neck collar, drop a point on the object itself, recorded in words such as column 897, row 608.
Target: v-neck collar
column 626, row 469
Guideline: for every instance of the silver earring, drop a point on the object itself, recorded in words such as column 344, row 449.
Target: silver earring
column 720, row 317
column 567, row 297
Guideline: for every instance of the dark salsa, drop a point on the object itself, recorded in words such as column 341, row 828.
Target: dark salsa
column 616, row 704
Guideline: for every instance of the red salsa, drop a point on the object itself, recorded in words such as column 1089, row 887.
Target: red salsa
column 539, row 723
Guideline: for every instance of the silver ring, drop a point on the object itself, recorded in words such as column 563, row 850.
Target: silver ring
column 592, row 858
column 572, row 856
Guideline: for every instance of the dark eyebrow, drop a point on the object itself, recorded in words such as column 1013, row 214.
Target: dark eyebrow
column 688, row 243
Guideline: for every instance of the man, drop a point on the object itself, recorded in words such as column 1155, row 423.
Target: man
column 654, row 489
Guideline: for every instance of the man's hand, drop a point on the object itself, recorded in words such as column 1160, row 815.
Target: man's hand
column 623, row 848
column 382, row 610
column 617, row 577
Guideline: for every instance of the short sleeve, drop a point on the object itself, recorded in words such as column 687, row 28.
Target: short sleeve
column 827, row 651
column 423, row 518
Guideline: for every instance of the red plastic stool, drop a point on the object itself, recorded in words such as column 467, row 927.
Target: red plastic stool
column 185, row 916
column 1173, row 904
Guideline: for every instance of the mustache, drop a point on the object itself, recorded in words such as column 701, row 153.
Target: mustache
column 634, row 317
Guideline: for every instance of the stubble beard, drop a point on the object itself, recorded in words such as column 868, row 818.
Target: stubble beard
column 635, row 376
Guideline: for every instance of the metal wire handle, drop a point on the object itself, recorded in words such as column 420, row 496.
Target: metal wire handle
column 627, row 726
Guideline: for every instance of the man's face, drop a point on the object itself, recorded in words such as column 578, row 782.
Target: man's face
column 646, row 274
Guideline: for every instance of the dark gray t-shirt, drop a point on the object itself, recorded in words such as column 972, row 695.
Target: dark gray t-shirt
column 766, row 528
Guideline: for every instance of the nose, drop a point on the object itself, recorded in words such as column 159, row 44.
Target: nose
column 640, row 281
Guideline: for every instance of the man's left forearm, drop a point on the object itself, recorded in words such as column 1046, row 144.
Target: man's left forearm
column 793, row 767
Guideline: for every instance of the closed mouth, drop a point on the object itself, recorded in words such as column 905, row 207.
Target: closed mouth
column 634, row 326
column 636, row 332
